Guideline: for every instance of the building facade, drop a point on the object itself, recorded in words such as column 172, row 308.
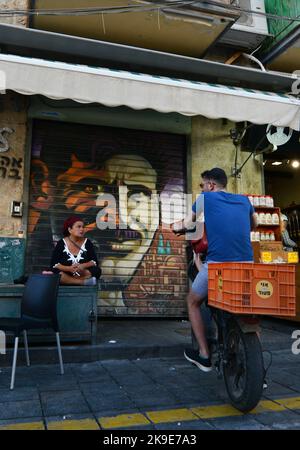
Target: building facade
column 58, row 157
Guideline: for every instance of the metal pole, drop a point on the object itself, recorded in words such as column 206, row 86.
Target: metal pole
column 59, row 354
column 26, row 348
column 12, row 383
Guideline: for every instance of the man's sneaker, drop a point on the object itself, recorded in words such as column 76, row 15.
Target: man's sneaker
column 194, row 357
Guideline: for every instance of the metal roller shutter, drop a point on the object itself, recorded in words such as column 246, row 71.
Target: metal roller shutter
column 72, row 167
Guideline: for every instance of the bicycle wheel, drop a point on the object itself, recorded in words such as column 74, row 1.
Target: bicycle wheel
column 243, row 369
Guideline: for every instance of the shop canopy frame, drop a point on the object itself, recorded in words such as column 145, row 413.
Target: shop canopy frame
column 112, row 88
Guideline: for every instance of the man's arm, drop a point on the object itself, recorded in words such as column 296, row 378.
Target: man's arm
column 189, row 223
column 185, row 224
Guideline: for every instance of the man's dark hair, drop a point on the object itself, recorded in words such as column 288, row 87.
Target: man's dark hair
column 218, row 175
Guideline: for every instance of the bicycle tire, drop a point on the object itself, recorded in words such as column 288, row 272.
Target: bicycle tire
column 251, row 392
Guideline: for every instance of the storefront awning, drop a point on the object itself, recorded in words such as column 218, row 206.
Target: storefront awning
column 85, row 84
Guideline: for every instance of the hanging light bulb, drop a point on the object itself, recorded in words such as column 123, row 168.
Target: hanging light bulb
column 295, row 164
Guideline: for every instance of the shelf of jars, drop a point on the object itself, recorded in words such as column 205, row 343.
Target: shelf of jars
column 266, row 239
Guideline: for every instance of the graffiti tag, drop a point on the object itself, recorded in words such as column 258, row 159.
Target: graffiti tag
column 10, row 167
column 4, row 144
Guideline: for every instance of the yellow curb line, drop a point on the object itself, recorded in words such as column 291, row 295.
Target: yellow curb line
column 171, row 415
column 123, row 420
column 81, row 424
column 157, row 417
column 23, row 426
column 195, row 413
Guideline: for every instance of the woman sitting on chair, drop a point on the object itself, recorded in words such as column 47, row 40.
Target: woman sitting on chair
column 74, row 256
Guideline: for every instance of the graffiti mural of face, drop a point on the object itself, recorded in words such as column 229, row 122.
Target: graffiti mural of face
column 121, row 250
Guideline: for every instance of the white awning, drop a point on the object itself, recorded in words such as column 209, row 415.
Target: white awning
column 84, row 84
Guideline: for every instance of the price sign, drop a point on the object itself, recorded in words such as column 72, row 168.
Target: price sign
column 266, row 257
column 293, row 257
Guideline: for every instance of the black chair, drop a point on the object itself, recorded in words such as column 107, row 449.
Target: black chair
column 38, row 311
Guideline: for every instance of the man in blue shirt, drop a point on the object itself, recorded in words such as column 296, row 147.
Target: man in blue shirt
column 229, row 219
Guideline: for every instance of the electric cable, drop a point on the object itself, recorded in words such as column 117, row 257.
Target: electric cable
column 152, row 6
column 270, row 363
column 136, row 8
column 237, row 171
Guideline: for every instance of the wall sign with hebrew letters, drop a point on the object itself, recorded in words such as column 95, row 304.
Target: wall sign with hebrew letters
column 10, row 167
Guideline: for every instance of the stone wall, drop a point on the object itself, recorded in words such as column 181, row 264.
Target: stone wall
column 13, row 118
column 21, row 21
column 211, row 146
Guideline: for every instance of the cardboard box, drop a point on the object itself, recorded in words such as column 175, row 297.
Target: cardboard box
column 262, row 246
column 273, row 246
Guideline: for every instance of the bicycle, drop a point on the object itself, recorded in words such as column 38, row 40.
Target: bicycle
column 236, row 354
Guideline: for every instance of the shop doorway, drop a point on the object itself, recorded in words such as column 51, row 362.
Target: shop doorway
column 72, row 165
column 281, row 171
column 282, row 182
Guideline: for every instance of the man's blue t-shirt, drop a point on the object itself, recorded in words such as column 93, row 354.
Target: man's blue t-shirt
column 227, row 224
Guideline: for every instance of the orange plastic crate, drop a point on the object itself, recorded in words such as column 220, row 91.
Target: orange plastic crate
column 249, row 288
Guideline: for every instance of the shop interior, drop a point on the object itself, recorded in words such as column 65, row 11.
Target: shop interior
column 280, row 149
column 281, row 159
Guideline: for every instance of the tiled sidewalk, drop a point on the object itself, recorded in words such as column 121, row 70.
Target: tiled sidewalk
column 157, row 393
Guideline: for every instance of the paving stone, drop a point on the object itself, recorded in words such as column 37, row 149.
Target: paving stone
column 195, row 377
column 160, row 373
column 137, row 428
column 38, row 371
column 276, row 390
column 286, row 379
column 271, row 418
column 62, row 403
column 116, row 364
column 89, row 372
column 42, row 376
column 286, row 426
column 20, row 409
column 129, row 375
column 237, row 423
column 23, row 393
column 59, row 382
column 133, row 379
column 139, row 389
column 5, row 373
column 23, row 383
column 108, row 387
column 72, row 422
column 101, row 379
column 190, row 396
column 189, row 425
column 102, row 402
column 151, row 396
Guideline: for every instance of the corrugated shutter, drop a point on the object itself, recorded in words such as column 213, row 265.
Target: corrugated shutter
column 72, row 167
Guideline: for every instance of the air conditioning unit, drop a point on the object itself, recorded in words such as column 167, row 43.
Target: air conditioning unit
column 251, row 29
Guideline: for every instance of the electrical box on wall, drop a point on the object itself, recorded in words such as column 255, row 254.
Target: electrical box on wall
column 252, row 27
column 16, row 209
